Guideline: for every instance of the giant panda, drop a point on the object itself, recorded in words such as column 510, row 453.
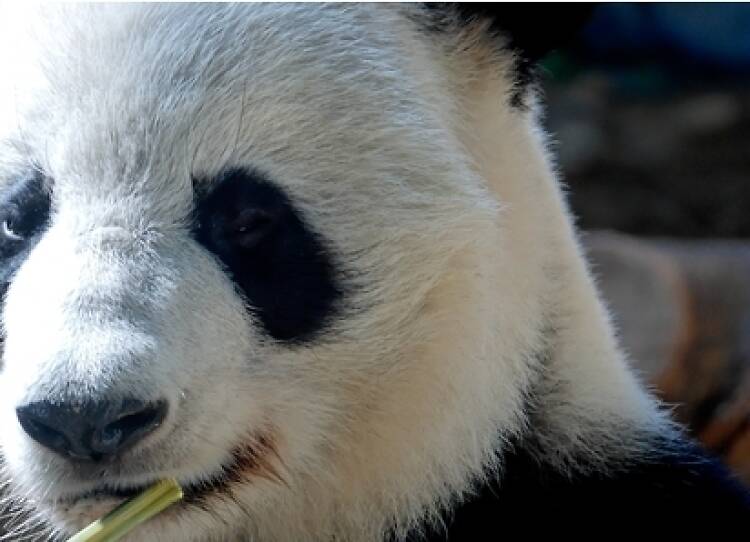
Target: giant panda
column 314, row 262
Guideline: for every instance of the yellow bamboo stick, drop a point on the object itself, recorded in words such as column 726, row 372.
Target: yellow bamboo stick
column 131, row 513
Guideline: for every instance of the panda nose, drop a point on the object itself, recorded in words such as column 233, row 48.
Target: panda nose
column 91, row 431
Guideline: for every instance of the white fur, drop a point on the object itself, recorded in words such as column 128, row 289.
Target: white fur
column 468, row 291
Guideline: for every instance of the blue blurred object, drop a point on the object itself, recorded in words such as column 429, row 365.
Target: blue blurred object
column 711, row 36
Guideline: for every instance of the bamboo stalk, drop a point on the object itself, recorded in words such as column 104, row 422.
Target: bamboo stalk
column 131, row 513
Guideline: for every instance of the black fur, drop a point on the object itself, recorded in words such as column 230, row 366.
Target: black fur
column 677, row 490
column 528, row 30
column 281, row 266
column 25, row 208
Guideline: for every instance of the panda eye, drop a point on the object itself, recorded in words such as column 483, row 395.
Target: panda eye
column 279, row 263
column 250, row 227
column 9, row 232
column 24, row 212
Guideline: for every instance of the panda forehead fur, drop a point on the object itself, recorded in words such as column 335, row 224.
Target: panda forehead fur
column 465, row 314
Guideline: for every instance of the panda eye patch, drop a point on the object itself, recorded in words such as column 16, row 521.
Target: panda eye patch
column 280, row 264
column 24, row 214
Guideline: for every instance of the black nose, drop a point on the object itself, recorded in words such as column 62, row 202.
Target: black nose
column 93, row 431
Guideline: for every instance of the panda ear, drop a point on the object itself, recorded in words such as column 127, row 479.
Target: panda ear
column 532, row 29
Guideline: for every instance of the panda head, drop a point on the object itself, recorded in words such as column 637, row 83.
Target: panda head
column 249, row 247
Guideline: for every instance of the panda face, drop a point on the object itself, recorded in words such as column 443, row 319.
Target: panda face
column 222, row 226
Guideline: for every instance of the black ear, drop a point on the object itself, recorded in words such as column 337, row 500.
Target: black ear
column 533, row 29
column 529, row 30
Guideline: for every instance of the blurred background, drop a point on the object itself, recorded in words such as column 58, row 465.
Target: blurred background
column 649, row 110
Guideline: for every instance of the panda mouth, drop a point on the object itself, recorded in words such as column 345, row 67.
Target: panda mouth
column 248, row 461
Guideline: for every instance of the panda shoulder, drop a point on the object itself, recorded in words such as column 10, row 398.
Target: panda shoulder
column 675, row 484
